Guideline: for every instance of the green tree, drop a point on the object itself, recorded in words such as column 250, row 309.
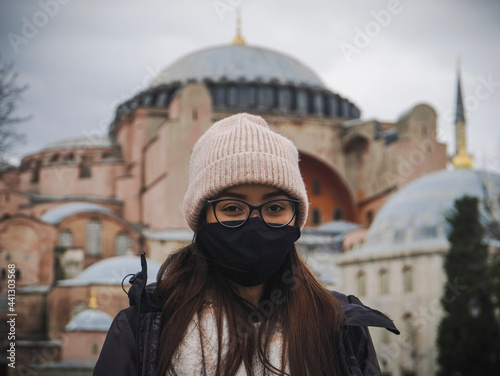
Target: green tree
column 10, row 94
column 494, row 286
column 468, row 336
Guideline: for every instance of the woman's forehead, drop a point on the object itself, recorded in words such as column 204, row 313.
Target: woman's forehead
column 256, row 191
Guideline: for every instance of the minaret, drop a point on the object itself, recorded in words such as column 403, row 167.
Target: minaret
column 461, row 158
column 238, row 39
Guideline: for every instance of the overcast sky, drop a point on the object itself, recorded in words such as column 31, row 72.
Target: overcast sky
column 81, row 58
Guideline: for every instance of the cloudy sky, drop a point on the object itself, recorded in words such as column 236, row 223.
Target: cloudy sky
column 81, row 58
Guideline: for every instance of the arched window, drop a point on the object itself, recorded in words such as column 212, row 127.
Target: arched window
column 266, row 97
column 384, row 282
column 318, row 104
column 123, row 245
column 35, row 177
column 338, row 214
column 346, row 113
column 333, row 106
column 70, row 157
column 161, row 99
column 316, row 216
column 107, row 155
column 65, row 238
column 220, row 96
column 93, row 243
column 232, row 98
column 251, row 96
column 361, row 284
column 85, row 167
column 302, row 102
column 285, row 99
column 316, row 187
column 407, row 279
column 243, row 96
column 408, row 327
column 95, row 349
column 54, row 158
column 147, row 100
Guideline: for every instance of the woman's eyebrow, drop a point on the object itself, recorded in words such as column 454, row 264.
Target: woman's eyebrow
column 232, row 194
column 274, row 194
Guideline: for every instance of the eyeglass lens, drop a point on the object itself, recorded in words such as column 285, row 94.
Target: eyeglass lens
column 275, row 213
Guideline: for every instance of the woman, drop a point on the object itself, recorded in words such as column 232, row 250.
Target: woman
column 239, row 300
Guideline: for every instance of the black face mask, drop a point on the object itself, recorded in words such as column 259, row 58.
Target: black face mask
column 248, row 255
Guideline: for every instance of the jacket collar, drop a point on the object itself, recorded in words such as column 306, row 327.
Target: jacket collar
column 357, row 314
column 140, row 294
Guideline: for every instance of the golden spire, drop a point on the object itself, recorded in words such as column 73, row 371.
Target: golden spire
column 238, row 39
column 93, row 299
column 461, row 158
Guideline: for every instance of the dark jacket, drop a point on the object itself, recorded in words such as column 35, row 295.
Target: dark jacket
column 131, row 346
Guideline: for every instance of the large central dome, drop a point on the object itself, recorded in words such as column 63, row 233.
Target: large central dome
column 243, row 78
column 238, row 62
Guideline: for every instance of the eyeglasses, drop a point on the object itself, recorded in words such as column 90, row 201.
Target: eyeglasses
column 234, row 213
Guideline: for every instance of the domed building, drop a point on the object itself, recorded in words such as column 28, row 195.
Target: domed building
column 399, row 269
column 119, row 191
column 81, row 341
column 102, row 281
column 350, row 165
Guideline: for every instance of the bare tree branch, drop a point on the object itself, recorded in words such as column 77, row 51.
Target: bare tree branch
column 10, row 95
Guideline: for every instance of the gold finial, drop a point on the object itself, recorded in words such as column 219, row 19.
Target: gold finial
column 238, row 39
column 462, row 161
column 93, row 299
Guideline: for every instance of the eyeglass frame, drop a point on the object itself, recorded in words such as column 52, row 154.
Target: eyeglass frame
column 294, row 201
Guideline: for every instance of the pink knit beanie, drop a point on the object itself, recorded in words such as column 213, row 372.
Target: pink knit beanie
column 242, row 149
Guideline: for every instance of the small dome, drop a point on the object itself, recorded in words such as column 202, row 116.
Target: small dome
column 99, row 141
column 338, row 227
column 415, row 216
column 90, row 320
column 238, row 62
column 111, row 271
column 57, row 214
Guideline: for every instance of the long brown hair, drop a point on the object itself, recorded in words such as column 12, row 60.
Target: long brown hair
column 293, row 303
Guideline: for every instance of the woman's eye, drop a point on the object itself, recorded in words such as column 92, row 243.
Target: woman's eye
column 275, row 208
column 232, row 208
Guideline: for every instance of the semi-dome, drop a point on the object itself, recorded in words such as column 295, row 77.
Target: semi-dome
column 237, row 62
column 90, row 320
column 415, row 216
column 111, row 271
